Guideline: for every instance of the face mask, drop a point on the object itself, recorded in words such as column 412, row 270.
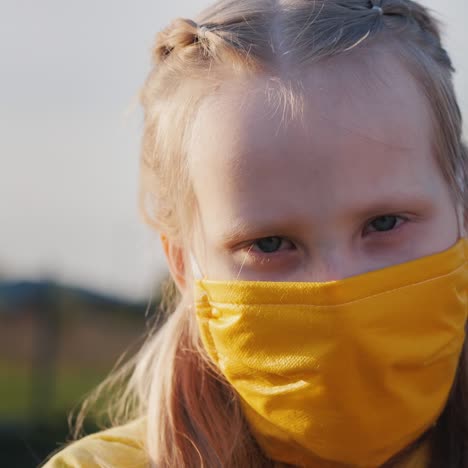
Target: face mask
column 349, row 371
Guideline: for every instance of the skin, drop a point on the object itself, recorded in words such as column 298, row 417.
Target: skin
column 350, row 187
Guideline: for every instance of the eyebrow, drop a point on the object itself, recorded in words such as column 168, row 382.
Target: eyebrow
column 258, row 227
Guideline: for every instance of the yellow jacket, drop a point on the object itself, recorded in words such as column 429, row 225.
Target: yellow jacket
column 122, row 447
column 119, row 447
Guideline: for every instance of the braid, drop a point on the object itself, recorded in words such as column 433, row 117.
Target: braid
column 416, row 19
column 180, row 33
column 412, row 12
column 184, row 35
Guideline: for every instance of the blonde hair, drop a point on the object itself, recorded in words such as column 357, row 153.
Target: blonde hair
column 193, row 416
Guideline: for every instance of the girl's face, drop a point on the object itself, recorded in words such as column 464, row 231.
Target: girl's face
column 351, row 187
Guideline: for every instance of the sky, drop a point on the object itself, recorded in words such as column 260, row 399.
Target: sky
column 70, row 129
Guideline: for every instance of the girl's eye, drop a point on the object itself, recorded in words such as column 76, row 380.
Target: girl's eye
column 269, row 244
column 385, row 223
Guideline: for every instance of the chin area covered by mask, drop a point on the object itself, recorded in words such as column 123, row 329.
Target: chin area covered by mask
column 343, row 372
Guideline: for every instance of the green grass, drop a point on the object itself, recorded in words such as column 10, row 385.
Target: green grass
column 17, row 390
column 14, row 391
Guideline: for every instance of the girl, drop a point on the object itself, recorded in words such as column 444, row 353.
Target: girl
column 304, row 165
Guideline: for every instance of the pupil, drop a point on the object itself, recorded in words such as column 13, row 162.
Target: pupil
column 269, row 244
column 385, row 223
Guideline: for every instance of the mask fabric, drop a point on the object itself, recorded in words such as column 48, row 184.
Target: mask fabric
column 345, row 372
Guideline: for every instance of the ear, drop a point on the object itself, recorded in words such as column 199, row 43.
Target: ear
column 175, row 259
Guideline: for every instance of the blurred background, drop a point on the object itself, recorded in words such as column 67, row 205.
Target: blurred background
column 79, row 272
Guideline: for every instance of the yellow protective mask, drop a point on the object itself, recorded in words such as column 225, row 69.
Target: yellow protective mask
column 349, row 371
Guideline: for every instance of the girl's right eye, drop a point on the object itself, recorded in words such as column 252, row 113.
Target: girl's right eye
column 270, row 244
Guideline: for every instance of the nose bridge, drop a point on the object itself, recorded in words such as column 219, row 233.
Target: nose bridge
column 330, row 263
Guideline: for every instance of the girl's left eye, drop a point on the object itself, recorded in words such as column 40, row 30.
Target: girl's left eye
column 386, row 223
column 270, row 244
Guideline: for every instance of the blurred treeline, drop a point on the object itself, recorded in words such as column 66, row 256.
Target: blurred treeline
column 56, row 344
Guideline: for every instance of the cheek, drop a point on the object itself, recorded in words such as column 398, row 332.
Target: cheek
column 220, row 264
column 445, row 230
column 212, row 260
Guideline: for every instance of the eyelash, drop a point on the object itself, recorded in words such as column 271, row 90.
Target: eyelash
column 399, row 217
column 252, row 244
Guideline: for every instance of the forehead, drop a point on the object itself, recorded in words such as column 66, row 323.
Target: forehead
column 364, row 126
